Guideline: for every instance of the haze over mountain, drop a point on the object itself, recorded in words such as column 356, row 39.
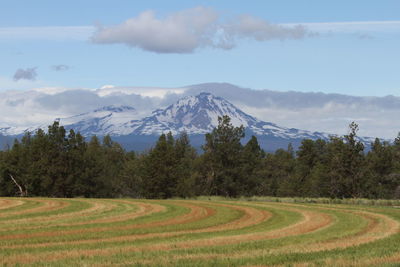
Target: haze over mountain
column 331, row 113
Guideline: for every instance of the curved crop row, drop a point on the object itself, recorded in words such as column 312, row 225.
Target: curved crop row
column 65, row 232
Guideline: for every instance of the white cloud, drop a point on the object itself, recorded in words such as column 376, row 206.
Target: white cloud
column 181, row 32
column 187, row 30
column 142, row 91
column 50, row 90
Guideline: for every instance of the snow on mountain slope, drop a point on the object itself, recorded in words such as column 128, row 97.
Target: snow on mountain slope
column 199, row 114
column 10, row 130
column 102, row 121
column 192, row 114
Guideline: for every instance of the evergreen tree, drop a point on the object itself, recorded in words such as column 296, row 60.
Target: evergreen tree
column 380, row 178
column 130, row 182
column 76, row 164
column 252, row 156
column 158, row 180
column 58, row 165
column 346, row 165
column 309, row 168
column 222, row 153
column 184, row 155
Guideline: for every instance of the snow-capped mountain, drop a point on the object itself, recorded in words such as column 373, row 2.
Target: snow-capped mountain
column 192, row 114
column 199, row 115
column 11, row 131
column 102, row 121
column 195, row 115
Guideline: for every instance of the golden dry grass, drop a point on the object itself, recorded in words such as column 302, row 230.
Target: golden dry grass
column 187, row 232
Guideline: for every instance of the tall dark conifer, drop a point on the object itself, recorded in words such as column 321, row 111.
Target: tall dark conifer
column 222, row 153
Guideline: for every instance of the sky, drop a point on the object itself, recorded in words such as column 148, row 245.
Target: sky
column 344, row 47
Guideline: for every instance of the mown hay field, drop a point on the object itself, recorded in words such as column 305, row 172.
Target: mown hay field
column 132, row 232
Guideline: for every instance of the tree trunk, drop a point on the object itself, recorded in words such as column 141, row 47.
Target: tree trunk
column 23, row 193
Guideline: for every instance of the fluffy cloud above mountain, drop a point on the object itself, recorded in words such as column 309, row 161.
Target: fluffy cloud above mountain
column 185, row 31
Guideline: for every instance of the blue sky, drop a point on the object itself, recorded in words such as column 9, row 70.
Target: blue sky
column 347, row 47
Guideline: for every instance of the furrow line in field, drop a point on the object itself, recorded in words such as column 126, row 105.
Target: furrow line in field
column 47, row 205
column 379, row 226
column 10, row 203
column 250, row 217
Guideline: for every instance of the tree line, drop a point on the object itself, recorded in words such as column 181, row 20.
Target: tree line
column 60, row 164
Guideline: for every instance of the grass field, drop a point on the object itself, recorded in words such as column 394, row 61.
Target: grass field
column 130, row 232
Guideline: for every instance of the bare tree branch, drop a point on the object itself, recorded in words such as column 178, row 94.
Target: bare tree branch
column 22, row 192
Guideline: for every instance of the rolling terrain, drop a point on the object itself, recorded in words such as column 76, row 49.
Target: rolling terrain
column 133, row 232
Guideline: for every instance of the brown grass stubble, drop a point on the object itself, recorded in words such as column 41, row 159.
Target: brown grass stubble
column 250, row 217
column 312, row 221
column 246, row 220
column 395, row 258
column 10, row 203
column 147, row 210
column 196, row 213
column 375, row 228
column 47, row 205
column 97, row 207
column 379, row 226
column 368, row 261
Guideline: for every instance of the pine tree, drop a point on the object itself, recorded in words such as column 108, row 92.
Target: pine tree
column 380, row 175
column 130, row 180
column 158, row 180
column 309, row 165
column 346, row 165
column 222, row 153
column 185, row 155
column 252, row 155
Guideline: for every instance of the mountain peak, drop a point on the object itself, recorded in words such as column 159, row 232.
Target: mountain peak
column 199, row 115
column 192, row 114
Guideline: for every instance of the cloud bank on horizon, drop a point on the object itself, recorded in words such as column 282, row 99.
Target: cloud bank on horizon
column 331, row 113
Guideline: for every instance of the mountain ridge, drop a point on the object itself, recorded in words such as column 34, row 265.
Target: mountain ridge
column 199, row 115
column 195, row 115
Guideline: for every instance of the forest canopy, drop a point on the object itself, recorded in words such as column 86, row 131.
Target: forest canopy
column 58, row 163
